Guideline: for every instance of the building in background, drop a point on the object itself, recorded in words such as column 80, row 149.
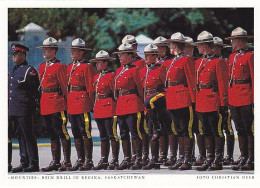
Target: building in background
column 32, row 36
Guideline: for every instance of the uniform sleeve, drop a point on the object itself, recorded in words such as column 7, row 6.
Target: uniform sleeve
column 112, row 83
column 62, row 78
column 251, row 67
column 34, row 83
column 189, row 68
column 221, row 72
column 162, row 74
column 89, row 81
column 138, row 83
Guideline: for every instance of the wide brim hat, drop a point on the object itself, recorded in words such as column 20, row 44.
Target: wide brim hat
column 124, row 48
column 219, row 42
column 102, row 56
column 160, row 41
column 204, row 37
column 176, row 38
column 49, row 43
column 189, row 41
column 151, row 49
column 239, row 33
column 79, row 44
column 130, row 39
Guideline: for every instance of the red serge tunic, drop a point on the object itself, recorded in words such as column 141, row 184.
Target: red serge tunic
column 180, row 69
column 211, row 70
column 80, row 75
column 155, row 78
column 243, row 69
column 127, row 79
column 53, row 76
column 104, row 86
column 138, row 62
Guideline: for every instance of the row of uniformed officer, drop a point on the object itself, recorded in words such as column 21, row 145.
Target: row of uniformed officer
column 74, row 92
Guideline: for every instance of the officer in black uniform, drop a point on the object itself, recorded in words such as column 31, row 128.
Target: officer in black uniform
column 23, row 83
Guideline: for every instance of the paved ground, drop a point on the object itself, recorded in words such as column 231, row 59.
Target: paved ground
column 45, row 158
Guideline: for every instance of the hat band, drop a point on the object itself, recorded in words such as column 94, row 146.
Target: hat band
column 239, row 36
column 126, row 50
column 151, row 52
column 102, row 57
column 160, row 43
column 206, row 40
column 77, row 46
column 133, row 42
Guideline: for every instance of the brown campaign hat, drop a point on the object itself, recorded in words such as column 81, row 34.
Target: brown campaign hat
column 78, row 44
column 102, row 55
column 204, row 37
column 219, row 42
column 176, row 38
column 130, row 39
column 160, row 41
column 151, row 49
column 49, row 43
column 189, row 41
column 238, row 33
column 124, row 48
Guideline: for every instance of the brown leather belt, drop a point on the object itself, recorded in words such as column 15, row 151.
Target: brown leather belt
column 241, row 81
column 175, row 83
column 104, row 96
column 207, row 86
column 127, row 92
column 49, row 90
column 77, row 88
column 151, row 91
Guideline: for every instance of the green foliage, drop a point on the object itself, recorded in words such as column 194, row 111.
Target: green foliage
column 105, row 28
column 119, row 22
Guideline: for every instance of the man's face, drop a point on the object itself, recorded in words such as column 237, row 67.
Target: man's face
column 150, row 58
column 162, row 50
column 237, row 44
column 101, row 65
column 173, row 48
column 188, row 50
column 76, row 54
column 49, row 53
column 134, row 47
column 217, row 50
column 203, row 48
column 18, row 57
column 125, row 58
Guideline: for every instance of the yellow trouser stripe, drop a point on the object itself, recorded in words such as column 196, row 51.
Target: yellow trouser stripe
column 219, row 125
column 229, row 124
column 64, row 129
column 145, row 126
column 173, row 128
column 138, row 124
column 200, row 127
column 190, row 122
column 114, row 128
column 86, row 119
column 154, row 99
